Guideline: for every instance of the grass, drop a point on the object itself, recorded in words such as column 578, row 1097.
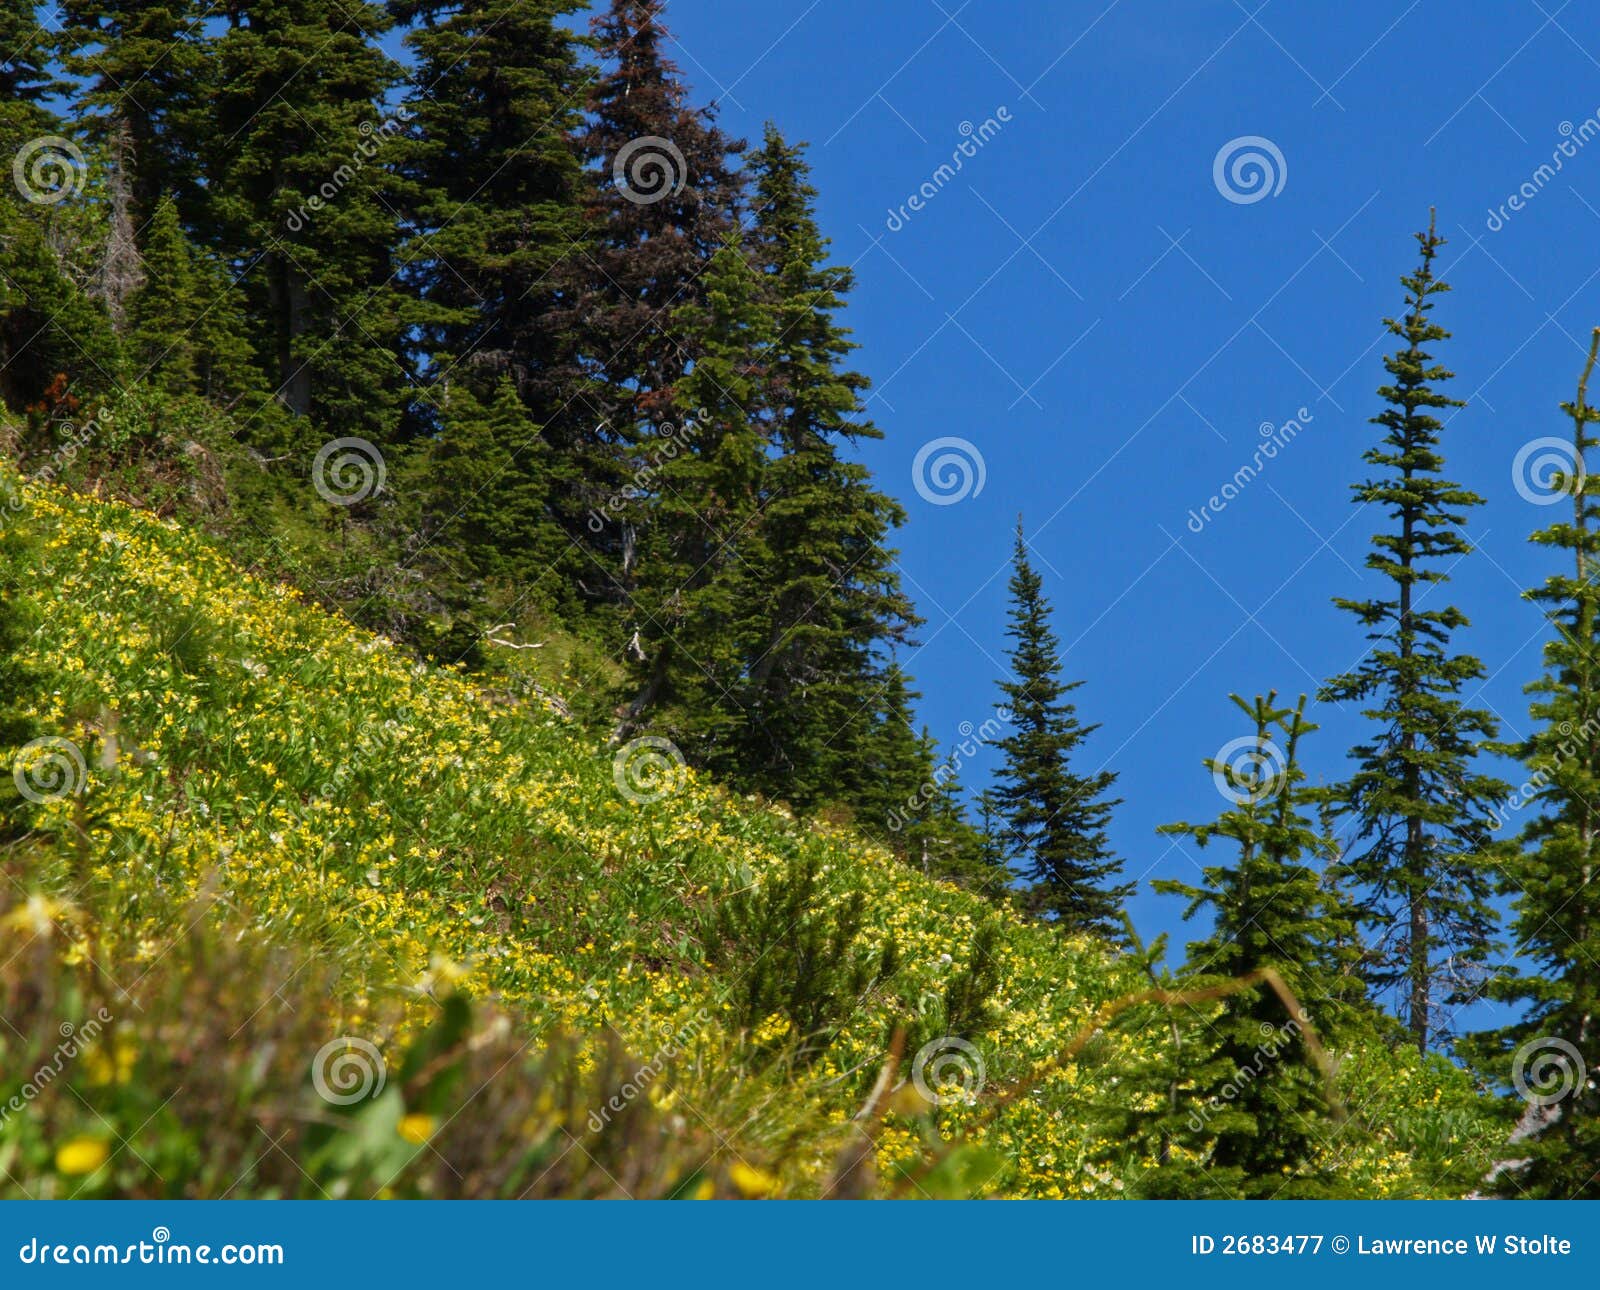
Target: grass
column 296, row 861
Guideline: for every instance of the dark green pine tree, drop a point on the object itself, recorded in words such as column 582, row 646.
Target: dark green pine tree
column 26, row 77
column 301, row 190
column 57, row 348
column 1552, row 1049
column 1055, row 817
column 700, row 525
column 499, row 88
column 142, row 94
column 910, row 799
column 185, row 328
column 830, row 597
column 477, row 510
column 1253, row 1108
column 1417, row 808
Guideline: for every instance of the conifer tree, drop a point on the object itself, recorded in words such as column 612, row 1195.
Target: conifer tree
column 1551, row 1051
column 1055, row 817
column 300, row 189
column 26, row 77
column 143, row 96
column 665, row 200
column 16, row 631
column 498, row 188
column 1416, row 806
column 701, row 520
column 185, row 324
column 1255, row 1106
column 831, row 598
column 56, row 344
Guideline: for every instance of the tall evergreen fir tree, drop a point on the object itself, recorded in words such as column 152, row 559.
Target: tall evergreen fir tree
column 26, row 77
column 831, row 598
column 1253, row 1108
column 1055, row 817
column 143, row 94
column 300, row 190
column 702, row 519
column 498, row 189
column 1417, row 808
column 665, row 199
column 1550, row 1053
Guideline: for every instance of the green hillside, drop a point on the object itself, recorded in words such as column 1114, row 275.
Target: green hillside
column 289, row 913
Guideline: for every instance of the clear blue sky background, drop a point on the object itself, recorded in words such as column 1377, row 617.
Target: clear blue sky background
column 1084, row 306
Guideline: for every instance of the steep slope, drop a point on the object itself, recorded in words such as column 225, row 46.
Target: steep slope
column 274, row 862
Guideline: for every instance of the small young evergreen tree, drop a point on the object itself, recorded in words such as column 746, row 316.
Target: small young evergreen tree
column 1417, row 808
column 185, row 326
column 1055, row 817
column 1255, row 1108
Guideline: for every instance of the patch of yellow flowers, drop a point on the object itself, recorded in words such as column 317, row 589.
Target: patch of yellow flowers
column 244, row 745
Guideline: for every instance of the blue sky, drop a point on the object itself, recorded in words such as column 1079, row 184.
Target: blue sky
column 1083, row 304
